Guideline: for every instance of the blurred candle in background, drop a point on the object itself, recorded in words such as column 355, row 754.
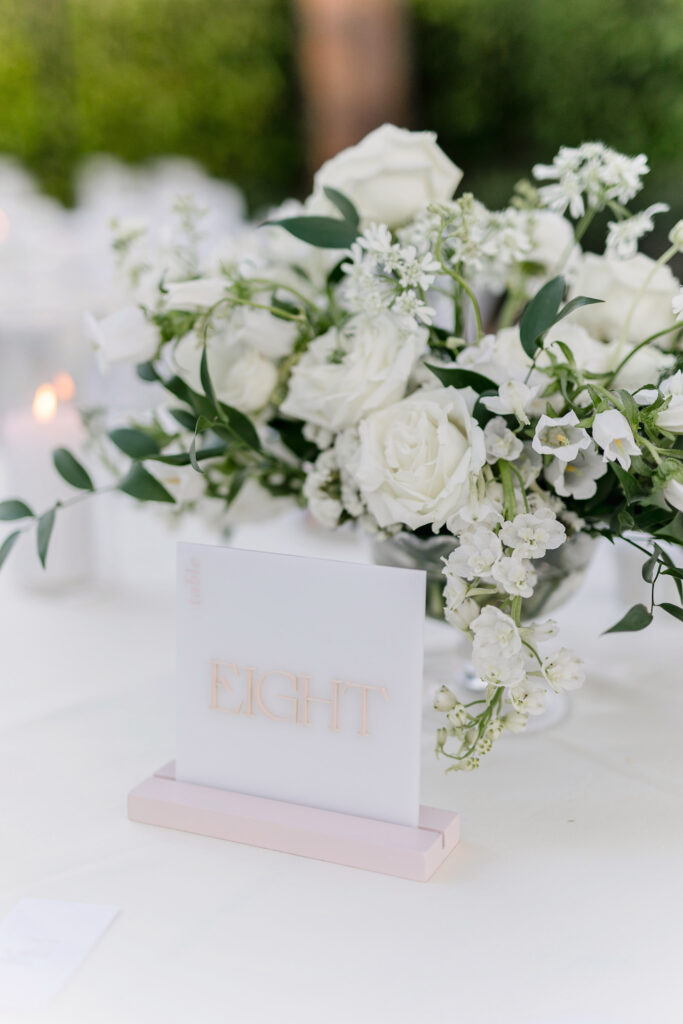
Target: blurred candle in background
column 29, row 437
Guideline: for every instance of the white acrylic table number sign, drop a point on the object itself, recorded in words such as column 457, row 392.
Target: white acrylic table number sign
column 299, row 694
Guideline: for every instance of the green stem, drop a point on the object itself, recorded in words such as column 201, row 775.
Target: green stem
column 662, row 261
column 642, row 344
column 509, row 500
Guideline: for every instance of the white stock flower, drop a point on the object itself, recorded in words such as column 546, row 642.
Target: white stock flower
column 476, row 513
column 240, row 375
column 319, row 489
column 497, row 669
column 576, row 479
column 195, row 295
column 494, row 629
column 617, row 283
column 270, row 335
column 563, row 670
column 612, row 433
column 671, row 418
column 125, row 336
column 418, row 457
column 560, row 437
column 514, row 398
column 623, row 235
column 515, row 574
column 673, row 493
column 349, row 372
column 531, row 534
column 500, row 441
column 477, row 553
column 391, row 174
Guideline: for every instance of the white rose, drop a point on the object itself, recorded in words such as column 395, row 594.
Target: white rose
column 417, row 458
column 617, row 283
column 125, row 336
column 673, row 492
column 241, row 376
column 552, row 247
column 270, row 335
column 645, row 367
column 349, row 372
column 391, row 174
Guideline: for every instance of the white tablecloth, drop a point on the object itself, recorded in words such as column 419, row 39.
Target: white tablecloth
column 561, row 904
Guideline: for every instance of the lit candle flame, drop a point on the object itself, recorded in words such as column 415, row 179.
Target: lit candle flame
column 64, row 387
column 45, row 403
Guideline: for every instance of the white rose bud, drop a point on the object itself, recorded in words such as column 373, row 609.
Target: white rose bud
column 444, row 700
column 391, row 174
column 125, row 336
column 676, row 235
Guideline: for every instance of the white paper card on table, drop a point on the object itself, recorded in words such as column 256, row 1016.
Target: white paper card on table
column 300, row 679
column 42, row 943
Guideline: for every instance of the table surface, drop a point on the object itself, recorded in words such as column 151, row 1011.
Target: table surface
column 561, row 905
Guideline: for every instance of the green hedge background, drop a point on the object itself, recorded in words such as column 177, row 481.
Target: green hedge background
column 503, row 83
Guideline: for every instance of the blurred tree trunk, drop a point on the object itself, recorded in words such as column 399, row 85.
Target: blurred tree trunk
column 354, row 61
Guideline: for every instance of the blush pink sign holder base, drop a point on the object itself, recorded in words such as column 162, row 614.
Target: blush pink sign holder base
column 399, row 850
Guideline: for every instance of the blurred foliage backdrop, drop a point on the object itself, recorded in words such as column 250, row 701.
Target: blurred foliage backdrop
column 503, row 83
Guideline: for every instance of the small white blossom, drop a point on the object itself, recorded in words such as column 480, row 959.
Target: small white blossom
column 589, row 176
column 612, row 433
column 623, row 236
column 564, row 670
column 488, row 512
column 528, row 697
column 576, row 479
column 463, row 615
column 500, row 442
column 514, row 398
column 531, row 534
column 515, row 574
column 560, row 437
column 540, row 632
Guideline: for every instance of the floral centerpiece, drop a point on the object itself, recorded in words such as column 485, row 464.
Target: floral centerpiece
column 415, row 363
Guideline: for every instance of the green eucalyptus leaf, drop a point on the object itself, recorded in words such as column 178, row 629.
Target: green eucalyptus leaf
column 672, row 609
column 344, row 205
column 44, row 533
column 184, row 417
column 183, row 458
column 140, row 484
column 7, row 546
column 15, row 509
column 636, row 618
column 580, row 300
column 457, row 377
column 630, row 486
column 540, row 314
column 70, row 469
column 673, row 531
column 323, row 232
column 147, row 372
column 649, row 570
column 136, row 444
column 240, row 426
